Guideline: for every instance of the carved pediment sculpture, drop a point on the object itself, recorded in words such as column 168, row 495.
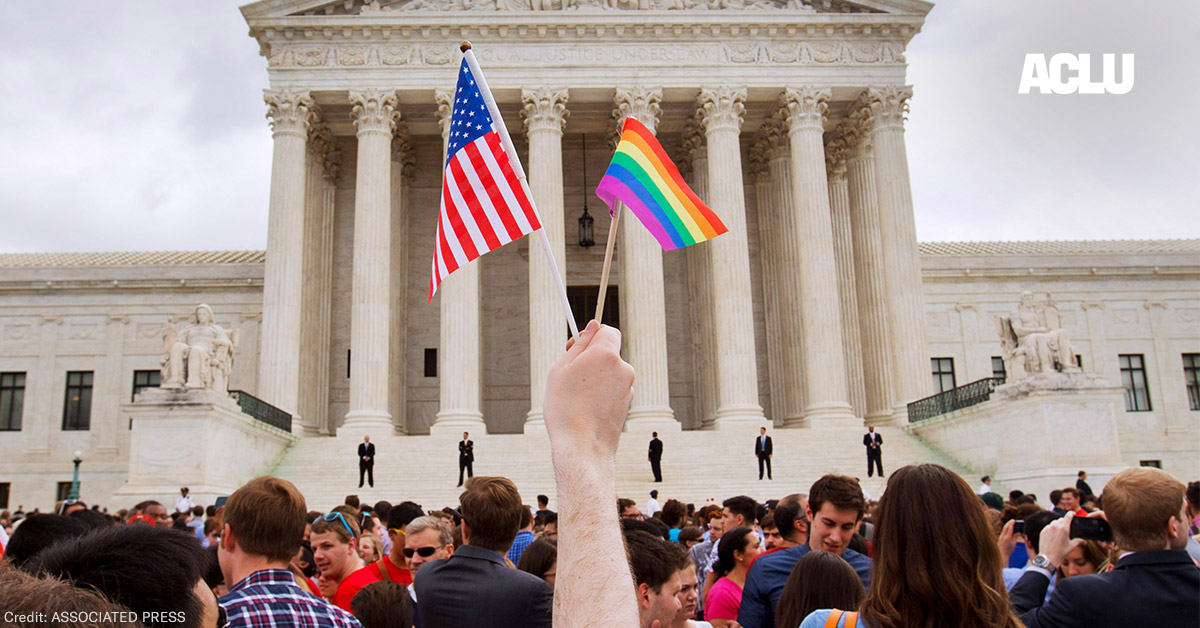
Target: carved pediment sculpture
column 376, row 7
column 198, row 355
column 1033, row 340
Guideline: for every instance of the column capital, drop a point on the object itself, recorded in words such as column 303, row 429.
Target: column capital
column 291, row 112
column 1152, row 304
column 374, row 111
column 691, row 145
column 544, row 109
column 122, row 319
column 721, row 108
column 837, row 152
column 887, row 104
column 640, row 102
column 323, row 147
column 804, row 107
column 1092, row 305
column 758, row 160
column 444, row 99
column 51, row 319
column 854, row 131
column 402, row 151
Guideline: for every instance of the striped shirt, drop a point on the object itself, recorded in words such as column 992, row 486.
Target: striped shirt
column 270, row 598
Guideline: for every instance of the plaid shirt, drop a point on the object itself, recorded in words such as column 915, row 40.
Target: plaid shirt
column 270, row 598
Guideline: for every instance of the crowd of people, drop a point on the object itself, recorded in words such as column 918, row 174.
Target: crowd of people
column 931, row 552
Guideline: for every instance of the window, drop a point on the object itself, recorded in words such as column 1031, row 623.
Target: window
column 145, row 379
column 12, row 400
column 1079, row 361
column 1133, row 377
column 1191, row 377
column 431, row 363
column 998, row 369
column 77, row 409
column 4, row 488
column 943, row 374
column 64, row 489
column 583, row 305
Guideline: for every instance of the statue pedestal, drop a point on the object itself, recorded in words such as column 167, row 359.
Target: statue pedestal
column 1036, row 434
column 196, row 438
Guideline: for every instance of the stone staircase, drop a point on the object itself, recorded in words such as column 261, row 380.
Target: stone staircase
column 698, row 466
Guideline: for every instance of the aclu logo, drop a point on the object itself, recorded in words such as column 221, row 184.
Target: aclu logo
column 1066, row 73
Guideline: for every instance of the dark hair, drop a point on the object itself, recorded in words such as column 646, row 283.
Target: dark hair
column 22, row 593
column 936, row 560
column 842, row 491
column 787, row 513
column 546, row 519
column 767, row 521
column 402, row 514
column 148, row 569
column 653, row 560
column 543, row 500
column 1071, row 490
column 859, row 544
column 744, row 506
column 623, row 503
column 309, row 569
column 492, row 509
column 986, row 478
column 650, row 526
column 1034, row 524
column 526, row 517
column 818, row 580
column 38, row 532
column 92, row 519
column 1193, row 495
column 213, row 575
column 266, row 517
column 1081, row 473
column 1055, row 495
column 690, row 533
column 732, row 541
column 383, row 604
column 381, row 509
column 210, row 511
column 673, row 513
column 352, row 501
column 538, row 558
column 1013, row 496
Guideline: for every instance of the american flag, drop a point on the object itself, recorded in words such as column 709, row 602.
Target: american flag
column 484, row 205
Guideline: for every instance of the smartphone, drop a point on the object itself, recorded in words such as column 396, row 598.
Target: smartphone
column 220, row 501
column 1019, row 526
column 1090, row 528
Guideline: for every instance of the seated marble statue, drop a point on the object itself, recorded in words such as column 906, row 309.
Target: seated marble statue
column 1034, row 340
column 200, row 355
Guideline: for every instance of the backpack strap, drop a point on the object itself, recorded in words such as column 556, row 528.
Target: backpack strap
column 851, row 620
column 834, row 616
column 384, row 574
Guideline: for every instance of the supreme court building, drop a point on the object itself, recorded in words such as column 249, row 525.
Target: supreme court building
column 817, row 311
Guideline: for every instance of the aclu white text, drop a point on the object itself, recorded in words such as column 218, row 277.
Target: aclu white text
column 1066, row 73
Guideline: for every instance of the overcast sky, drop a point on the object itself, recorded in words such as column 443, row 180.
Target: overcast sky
column 139, row 125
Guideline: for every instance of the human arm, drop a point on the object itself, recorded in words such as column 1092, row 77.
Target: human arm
column 1007, row 541
column 588, row 393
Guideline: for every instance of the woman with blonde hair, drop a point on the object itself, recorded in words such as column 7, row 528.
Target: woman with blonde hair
column 936, row 560
column 370, row 548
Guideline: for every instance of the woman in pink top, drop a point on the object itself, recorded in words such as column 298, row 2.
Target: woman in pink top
column 739, row 547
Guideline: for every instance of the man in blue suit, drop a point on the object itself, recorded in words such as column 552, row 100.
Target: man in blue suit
column 1155, row 582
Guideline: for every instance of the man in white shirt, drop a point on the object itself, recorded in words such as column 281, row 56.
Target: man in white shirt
column 986, row 487
column 652, row 504
column 184, row 503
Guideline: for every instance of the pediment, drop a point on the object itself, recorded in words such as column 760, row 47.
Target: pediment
column 318, row 8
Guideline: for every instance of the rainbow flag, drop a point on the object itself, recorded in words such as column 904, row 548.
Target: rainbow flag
column 644, row 178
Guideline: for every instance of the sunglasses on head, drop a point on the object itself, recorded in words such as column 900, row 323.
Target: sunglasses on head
column 338, row 516
column 423, row 552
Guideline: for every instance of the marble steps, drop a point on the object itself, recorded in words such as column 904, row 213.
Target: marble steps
column 698, row 466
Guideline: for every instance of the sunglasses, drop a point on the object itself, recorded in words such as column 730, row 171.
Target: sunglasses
column 338, row 516
column 423, row 552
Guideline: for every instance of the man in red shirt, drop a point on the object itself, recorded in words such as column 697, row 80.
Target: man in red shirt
column 398, row 570
column 334, row 542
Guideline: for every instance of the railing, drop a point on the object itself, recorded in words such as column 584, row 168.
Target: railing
column 262, row 410
column 964, row 396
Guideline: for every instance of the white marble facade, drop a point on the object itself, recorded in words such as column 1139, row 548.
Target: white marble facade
column 787, row 116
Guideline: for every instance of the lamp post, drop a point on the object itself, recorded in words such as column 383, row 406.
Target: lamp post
column 74, row 492
column 586, row 238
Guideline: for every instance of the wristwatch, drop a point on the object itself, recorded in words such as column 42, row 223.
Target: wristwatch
column 1041, row 561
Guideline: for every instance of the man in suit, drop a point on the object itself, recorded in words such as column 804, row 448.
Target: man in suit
column 366, row 461
column 474, row 587
column 1154, row 582
column 1082, row 486
column 873, row 441
column 466, row 457
column 763, row 450
column 655, row 456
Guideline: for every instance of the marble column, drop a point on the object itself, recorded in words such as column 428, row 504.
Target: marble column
column 291, row 113
column 43, row 390
column 700, row 291
column 110, row 392
column 836, row 152
column 460, row 391
column 1166, row 374
column 375, row 117
column 545, row 115
column 870, row 273
column 825, row 388
column 910, row 351
column 779, row 162
column 403, row 164
column 768, row 229
column 721, row 110
column 324, row 166
column 643, row 300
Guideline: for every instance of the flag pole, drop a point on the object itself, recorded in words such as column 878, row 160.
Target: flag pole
column 608, row 249
column 506, row 141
